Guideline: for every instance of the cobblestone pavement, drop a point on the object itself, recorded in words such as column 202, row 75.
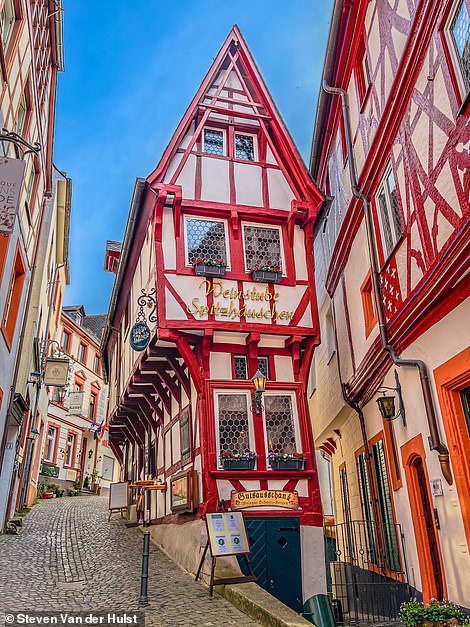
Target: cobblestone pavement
column 68, row 557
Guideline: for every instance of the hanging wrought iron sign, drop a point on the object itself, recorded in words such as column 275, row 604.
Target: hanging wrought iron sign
column 11, row 179
column 139, row 336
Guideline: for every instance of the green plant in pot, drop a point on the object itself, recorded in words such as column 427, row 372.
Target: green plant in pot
column 435, row 614
column 86, row 482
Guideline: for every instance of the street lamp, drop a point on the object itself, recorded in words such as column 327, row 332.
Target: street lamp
column 259, row 383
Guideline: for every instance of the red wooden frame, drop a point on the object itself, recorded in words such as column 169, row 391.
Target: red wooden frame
column 17, row 279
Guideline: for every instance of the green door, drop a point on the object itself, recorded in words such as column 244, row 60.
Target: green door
column 275, row 557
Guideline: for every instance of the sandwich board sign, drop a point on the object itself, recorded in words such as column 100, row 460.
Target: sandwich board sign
column 227, row 534
column 118, row 497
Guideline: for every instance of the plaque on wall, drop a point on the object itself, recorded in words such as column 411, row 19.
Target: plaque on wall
column 183, row 491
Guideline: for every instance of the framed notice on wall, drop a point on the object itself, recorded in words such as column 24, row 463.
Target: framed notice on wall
column 227, row 534
column 183, row 491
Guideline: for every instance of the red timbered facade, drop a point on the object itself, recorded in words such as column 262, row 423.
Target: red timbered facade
column 390, row 149
column 222, row 233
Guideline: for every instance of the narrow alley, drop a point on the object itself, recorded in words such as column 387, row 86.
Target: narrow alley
column 69, row 558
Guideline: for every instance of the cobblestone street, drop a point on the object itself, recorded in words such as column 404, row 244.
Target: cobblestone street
column 69, row 558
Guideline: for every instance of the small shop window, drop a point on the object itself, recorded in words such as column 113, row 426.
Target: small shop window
column 244, row 147
column 280, row 425
column 214, row 142
column 389, row 212
column 262, row 247
column 233, row 425
column 205, row 240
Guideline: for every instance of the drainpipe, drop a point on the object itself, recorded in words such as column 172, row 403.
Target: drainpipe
column 438, row 445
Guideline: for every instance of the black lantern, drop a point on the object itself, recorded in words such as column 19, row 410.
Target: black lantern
column 259, row 382
column 387, row 403
column 387, row 407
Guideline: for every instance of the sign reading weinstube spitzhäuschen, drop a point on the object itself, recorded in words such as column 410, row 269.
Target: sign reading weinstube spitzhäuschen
column 11, row 178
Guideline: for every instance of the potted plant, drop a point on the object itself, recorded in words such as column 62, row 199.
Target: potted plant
column 266, row 274
column 286, row 461
column 97, row 477
column 59, row 493
column 236, row 460
column 436, row 614
column 86, row 482
column 210, row 267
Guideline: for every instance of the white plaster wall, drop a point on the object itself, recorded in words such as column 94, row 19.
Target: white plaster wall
column 248, row 184
column 186, row 177
column 221, row 366
column 284, row 371
column 168, row 240
column 280, row 193
column 313, row 555
column 215, row 181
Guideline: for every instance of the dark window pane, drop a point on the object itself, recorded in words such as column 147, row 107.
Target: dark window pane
column 240, row 367
column 244, row 147
column 233, row 423
column 461, row 36
column 279, row 424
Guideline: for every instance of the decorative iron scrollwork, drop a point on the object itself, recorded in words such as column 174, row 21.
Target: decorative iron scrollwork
column 147, row 299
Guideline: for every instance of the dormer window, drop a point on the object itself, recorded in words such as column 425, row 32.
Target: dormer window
column 244, row 147
column 213, row 141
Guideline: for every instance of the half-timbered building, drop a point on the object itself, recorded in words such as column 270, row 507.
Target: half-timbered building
column 219, row 243
column 392, row 247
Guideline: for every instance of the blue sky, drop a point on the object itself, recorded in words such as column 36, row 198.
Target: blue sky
column 131, row 70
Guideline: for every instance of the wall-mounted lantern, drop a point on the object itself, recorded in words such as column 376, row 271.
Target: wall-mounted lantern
column 387, row 403
column 259, row 383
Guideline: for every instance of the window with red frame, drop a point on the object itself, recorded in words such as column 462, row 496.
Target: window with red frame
column 12, row 303
column 368, row 305
column 361, row 72
column 82, row 351
column 92, row 405
column 50, row 446
column 96, row 363
column 65, row 341
column 69, row 460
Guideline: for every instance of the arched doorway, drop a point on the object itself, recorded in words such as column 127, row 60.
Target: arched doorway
column 427, row 540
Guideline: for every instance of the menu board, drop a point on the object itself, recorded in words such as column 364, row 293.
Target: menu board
column 227, row 534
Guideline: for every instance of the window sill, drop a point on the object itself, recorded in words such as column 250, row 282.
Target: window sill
column 262, row 474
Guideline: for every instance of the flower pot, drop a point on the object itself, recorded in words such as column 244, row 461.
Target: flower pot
column 445, row 623
column 48, row 495
column 266, row 276
column 239, row 464
column 287, row 464
column 203, row 269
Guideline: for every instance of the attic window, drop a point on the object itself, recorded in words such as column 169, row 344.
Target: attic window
column 213, row 141
column 244, row 147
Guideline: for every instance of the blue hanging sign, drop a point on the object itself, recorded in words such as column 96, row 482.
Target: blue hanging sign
column 139, row 336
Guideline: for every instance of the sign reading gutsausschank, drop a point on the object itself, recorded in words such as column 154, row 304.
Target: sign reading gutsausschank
column 260, row 498
column 11, row 178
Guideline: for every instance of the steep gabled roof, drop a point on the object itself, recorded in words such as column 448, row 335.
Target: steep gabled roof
column 235, row 59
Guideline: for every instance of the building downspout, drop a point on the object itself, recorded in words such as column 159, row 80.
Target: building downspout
column 438, row 445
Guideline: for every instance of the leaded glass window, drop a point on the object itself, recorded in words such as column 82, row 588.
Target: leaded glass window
column 213, row 141
column 233, row 423
column 205, row 239
column 280, row 428
column 263, row 366
column 240, row 367
column 262, row 247
column 244, row 147
column 460, row 30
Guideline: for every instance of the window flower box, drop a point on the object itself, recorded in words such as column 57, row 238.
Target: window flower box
column 286, row 461
column 215, row 269
column 238, row 461
column 266, row 274
column 435, row 614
